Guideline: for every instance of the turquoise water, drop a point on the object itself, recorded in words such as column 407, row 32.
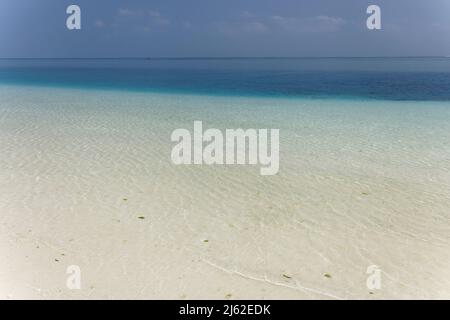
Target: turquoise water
column 421, row 79
column 368, row 175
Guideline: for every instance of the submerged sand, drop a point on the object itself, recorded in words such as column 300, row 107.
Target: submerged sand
column 86, row 179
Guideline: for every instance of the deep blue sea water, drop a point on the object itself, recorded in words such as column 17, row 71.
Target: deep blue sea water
column 423, row 79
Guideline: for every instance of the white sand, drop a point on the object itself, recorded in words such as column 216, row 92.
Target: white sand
column 360, row 183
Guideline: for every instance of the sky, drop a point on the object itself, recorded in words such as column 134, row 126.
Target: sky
column 223, row 28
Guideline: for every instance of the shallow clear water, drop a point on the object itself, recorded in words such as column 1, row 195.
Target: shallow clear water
column 361, row 182
column 364, row 179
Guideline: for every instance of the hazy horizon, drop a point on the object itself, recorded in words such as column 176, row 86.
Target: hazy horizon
column 218, row 57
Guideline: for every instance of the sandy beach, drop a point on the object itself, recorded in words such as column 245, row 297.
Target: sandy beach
column 86, row 180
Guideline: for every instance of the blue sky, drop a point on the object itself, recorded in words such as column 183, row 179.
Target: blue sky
column 189, row 28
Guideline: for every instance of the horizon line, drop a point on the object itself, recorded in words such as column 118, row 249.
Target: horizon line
column 216, row 58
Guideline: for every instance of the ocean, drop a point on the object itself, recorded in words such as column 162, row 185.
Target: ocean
column 423, row 79
column 86, row 179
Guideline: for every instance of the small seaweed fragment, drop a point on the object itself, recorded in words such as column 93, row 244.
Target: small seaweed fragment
column 327, row 275
column 206, row 240
column 141, row 217
column 286, row 276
